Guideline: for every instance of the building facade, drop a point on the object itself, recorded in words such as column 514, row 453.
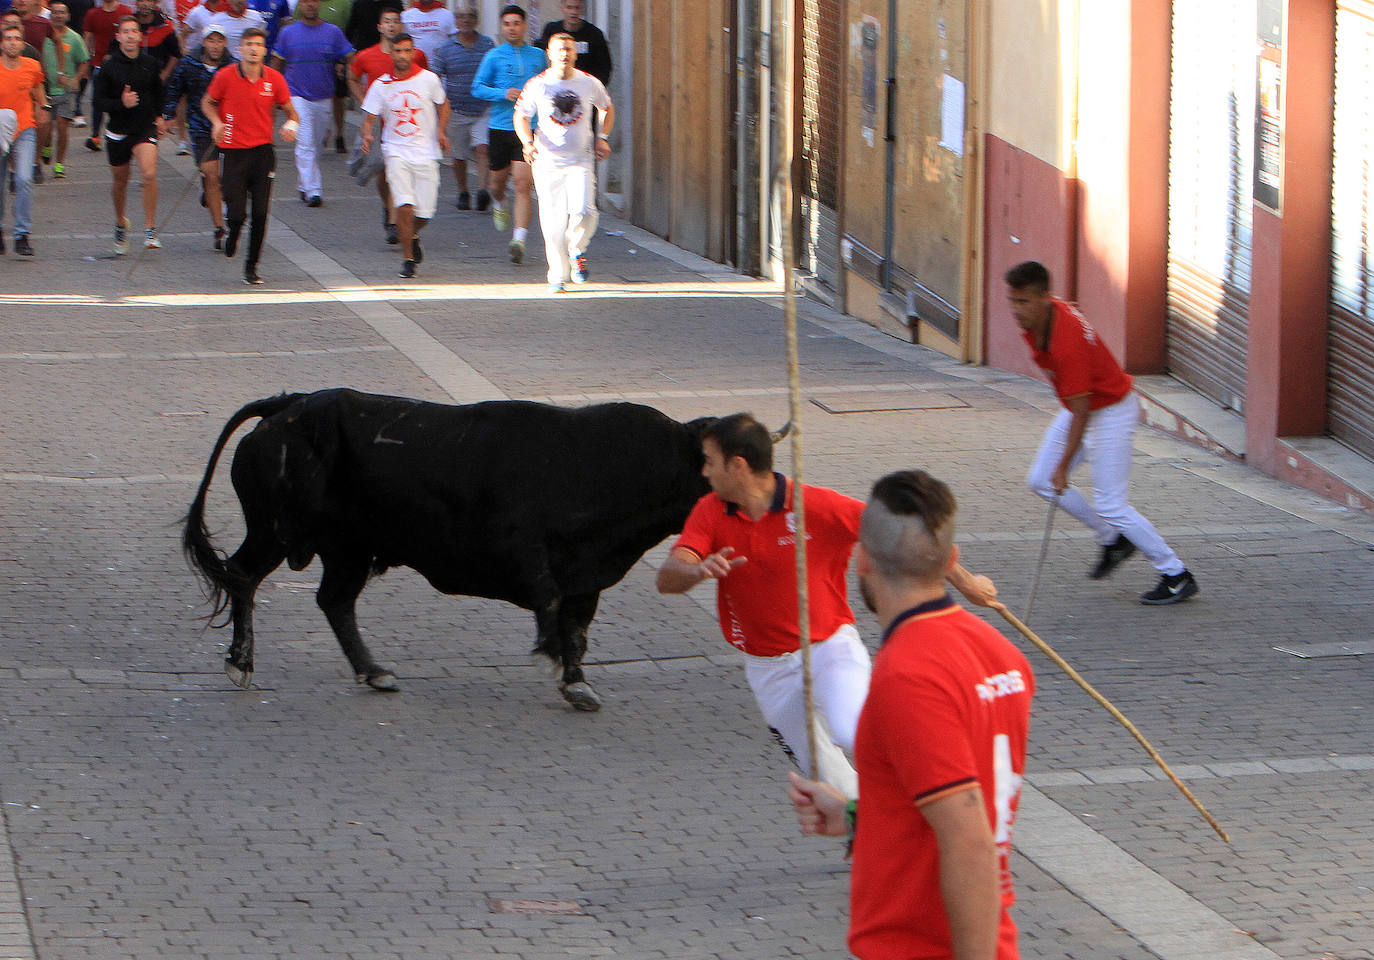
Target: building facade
column 1194, row 173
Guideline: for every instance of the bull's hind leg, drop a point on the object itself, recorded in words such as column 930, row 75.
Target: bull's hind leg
column 574, row 616
column 258, row 556
column 343, row 580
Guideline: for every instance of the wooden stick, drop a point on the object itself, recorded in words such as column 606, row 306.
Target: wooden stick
column 1060, row 662
column 787, row 177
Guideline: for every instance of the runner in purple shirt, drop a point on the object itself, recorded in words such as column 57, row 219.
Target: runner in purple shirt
column 310, row 52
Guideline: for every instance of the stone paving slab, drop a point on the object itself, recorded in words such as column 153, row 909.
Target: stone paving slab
column 153, row 810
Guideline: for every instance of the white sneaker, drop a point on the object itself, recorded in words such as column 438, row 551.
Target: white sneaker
column 556, row 288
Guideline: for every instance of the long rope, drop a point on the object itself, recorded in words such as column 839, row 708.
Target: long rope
column 1062, row 664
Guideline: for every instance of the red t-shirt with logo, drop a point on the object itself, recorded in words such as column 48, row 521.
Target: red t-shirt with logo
column 246, row 105
column 1078, row 362
column 757, row 602
column 948, row 709
column 371, row 62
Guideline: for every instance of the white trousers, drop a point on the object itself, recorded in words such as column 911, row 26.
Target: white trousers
column 316, row 116
column 567, row 213
column 840, row 670
column 1107, row 446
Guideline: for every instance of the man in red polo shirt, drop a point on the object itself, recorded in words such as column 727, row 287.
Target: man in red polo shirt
column 941, row 748
column 239, row 105
column 743, row 534
column 1097, row 424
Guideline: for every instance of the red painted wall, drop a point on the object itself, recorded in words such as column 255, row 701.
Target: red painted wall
column 1029, row 216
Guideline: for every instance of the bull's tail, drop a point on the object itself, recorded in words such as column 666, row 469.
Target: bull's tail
column 208, row 562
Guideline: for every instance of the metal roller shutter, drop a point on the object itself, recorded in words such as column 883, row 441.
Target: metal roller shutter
column 1350, row 368
column 1211, row 161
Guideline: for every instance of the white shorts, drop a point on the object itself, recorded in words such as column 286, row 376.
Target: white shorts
column 414, row 184
column 466, row 134
column 840, row 670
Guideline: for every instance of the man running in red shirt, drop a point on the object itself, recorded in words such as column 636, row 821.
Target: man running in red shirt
column 1097, row 424
column 941, row 748
column 239, row 105
column 100, row 25
column 743, row 535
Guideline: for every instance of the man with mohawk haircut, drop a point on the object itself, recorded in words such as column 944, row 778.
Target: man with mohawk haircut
column 940, row 749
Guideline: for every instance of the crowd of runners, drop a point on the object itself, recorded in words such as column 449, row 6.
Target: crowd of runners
column 226, row 80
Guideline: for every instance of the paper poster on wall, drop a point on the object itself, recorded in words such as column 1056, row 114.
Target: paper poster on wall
column 952, row 115
column 868, row 115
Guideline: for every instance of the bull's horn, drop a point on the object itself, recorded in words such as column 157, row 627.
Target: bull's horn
column 781, row 432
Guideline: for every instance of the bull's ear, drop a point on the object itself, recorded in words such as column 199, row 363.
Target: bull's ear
column 698, row 426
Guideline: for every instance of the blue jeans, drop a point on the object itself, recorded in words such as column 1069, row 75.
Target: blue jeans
column 22, row 153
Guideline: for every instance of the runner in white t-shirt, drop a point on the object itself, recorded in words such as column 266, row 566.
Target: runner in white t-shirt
column 234, row 17
column 414, row 114
column 562, row 154
column 430, row 23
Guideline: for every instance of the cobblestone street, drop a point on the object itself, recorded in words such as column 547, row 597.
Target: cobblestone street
column 151, row 809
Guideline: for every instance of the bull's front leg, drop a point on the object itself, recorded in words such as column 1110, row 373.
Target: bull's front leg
column 574, row 617
column 343, row 580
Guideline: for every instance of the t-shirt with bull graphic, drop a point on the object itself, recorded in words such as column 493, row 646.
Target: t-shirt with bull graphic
column 563, row 111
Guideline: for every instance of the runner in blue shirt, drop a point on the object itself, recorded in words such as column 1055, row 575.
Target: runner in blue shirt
column 310, row 52
column 502, row 75
column 456, row 62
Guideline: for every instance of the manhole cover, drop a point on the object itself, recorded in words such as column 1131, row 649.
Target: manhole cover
column 887, row 402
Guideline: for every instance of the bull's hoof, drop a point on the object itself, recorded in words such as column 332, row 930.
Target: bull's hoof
column 384, row 681
column 243, row 679
column 582, row 696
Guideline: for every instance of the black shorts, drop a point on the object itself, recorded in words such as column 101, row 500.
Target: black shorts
column 203, row 149
column 120, row 152
column 503, row 149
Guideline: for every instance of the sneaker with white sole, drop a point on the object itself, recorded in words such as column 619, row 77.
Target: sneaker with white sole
column 1112, row 556
column 1172, row 588
column 579, row 270
column 516, row 249
column 555, row 288
column 150, row 240
column 500, row 218
column 121, row 238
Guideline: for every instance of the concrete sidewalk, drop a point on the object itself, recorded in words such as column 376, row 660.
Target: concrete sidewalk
column 150, row 809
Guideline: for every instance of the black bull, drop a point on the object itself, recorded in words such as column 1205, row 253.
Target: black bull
column 540, row 506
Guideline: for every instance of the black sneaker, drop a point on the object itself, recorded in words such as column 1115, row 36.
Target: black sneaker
column 483, row 201
column 464, row 201
column 392, row 237
column 1112, row 556
column 219, row 238
column 250, row 276
column 407, row 269
column 92, row 144
column 231, row 241
column 1173, row 588
column 416, row 253
column 314, row 202
column 21, row 245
